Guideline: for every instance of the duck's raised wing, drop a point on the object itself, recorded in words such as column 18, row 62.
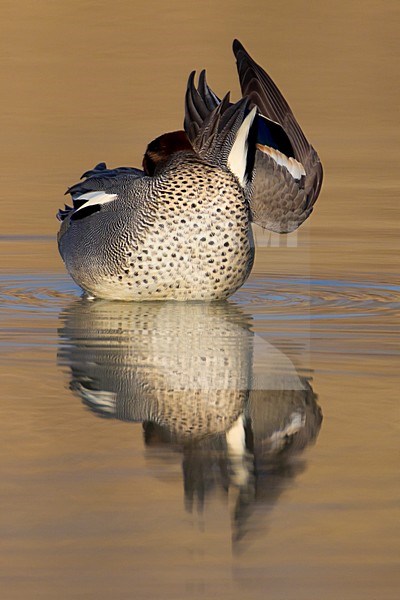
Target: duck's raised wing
column 287, row 174
column 279, row 169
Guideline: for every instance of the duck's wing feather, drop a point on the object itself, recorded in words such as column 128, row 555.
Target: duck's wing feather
column 101, row 170
column 100, row 185
column 283, row 173
column 278, row 201
column 199, row 103
column 290, row 147
column 219, row 131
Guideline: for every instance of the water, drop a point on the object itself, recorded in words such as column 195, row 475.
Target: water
column 246, row 449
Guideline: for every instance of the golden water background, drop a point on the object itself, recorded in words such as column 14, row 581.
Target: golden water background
column 86, row 511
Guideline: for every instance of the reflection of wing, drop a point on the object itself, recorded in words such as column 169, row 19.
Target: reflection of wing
column 183, row 366
column 278, row 424
column 283, row 419
column 282, row 406
column 272, row 370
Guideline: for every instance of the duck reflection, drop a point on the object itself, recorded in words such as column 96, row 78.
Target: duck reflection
column 202, row 383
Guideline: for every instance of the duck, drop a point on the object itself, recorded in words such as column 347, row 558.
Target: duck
column 180, row 227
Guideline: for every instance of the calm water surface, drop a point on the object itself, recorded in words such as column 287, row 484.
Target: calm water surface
column 246, row 449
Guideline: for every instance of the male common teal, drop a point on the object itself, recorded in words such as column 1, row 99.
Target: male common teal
column 180, row 229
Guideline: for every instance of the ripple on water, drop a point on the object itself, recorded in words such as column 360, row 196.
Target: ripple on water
column 278, row 298
column 35, row 293
column 294, row 299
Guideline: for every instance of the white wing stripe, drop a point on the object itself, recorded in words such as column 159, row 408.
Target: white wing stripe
column 92, row 198
column 294, row 167
column 237, row 159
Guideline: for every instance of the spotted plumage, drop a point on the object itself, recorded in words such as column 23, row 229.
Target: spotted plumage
column 181, row 228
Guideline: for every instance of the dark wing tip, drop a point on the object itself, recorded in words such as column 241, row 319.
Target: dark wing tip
column 237, row 47
column 191, row 79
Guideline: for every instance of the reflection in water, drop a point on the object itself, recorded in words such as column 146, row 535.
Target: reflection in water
column 202, row 383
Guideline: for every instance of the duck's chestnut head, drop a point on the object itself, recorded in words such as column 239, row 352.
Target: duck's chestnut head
column 160, row 149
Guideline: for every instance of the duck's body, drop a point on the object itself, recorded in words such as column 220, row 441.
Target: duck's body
column 181, row 235
column 181, row 229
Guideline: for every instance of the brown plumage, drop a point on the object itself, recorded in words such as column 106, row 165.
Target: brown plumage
column 160, row 149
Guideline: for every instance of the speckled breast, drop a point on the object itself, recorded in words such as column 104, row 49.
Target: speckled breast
column 193, row 241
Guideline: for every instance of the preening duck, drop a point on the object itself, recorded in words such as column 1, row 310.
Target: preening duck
column 180, row 227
